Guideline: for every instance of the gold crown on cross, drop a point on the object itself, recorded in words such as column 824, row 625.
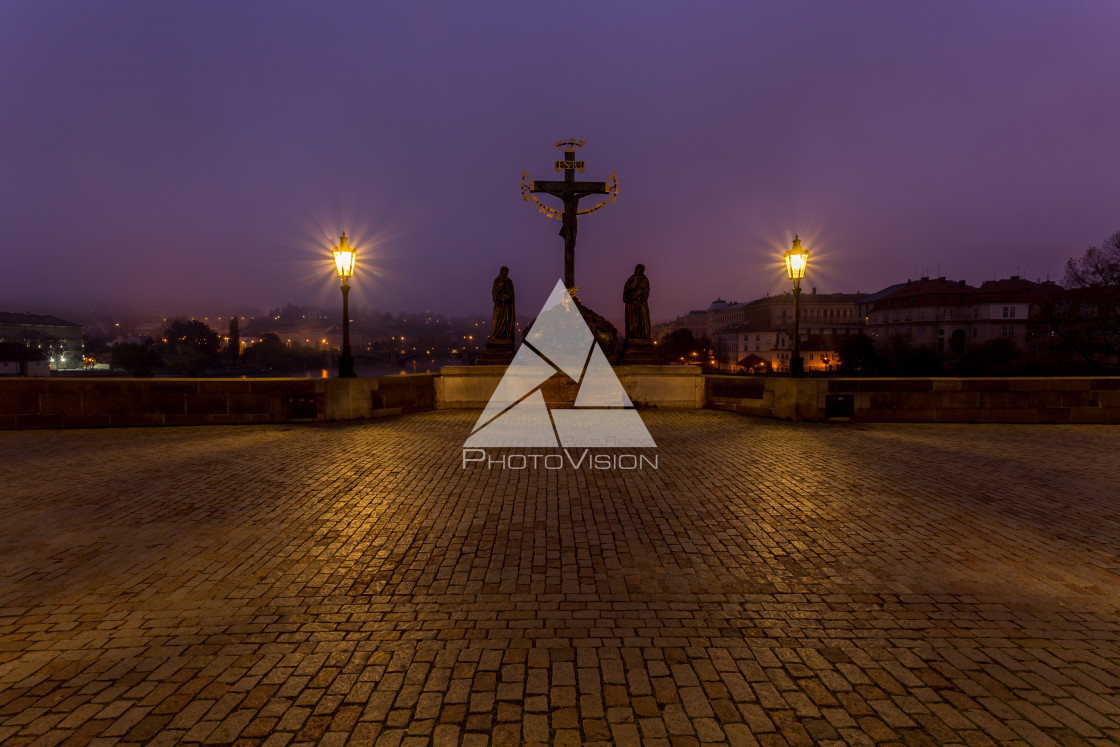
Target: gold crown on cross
column 570, row 144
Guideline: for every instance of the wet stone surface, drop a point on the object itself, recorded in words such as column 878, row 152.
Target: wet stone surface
column 769, row 583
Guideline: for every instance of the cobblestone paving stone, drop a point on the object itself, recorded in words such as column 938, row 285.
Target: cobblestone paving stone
column 770, row 583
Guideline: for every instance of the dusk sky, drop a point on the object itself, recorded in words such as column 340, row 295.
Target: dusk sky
column 192, row 155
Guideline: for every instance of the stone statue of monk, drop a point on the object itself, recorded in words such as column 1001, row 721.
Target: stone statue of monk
column 501, row 328
column 636, row 297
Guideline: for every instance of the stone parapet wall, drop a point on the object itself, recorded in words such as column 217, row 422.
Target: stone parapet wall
column 674, row 387
column 933, row 400
column 103, row 402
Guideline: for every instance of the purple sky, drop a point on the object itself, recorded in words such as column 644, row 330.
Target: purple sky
column 186, row 155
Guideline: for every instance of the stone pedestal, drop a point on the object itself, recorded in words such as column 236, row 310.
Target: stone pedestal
column 638, row 353
column 647, row 386
column 497, row 352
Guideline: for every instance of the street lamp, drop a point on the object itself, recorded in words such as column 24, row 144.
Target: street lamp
column 344, row 256
column 796, row 261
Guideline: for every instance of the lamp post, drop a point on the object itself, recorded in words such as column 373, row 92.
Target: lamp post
column 344, row 256
column 796, row 260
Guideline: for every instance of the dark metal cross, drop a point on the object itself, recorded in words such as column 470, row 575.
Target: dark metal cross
column 570, row 192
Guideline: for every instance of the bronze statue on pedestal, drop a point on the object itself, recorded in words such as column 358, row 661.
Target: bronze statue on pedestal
column 638, row 349
column 636, row 297
column 499, row 341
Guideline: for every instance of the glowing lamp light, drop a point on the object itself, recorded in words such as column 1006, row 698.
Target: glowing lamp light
column 797, row 259
column 344, row 256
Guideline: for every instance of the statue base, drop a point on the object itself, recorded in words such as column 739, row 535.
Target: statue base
column 496, row 353
column 671, row 387
column 638, row 353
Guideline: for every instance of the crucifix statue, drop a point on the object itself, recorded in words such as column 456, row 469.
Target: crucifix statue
column 570, row 192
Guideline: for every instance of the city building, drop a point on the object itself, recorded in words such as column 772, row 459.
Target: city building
column 864, row 304
column 819, row 353
column 16, row 359
column 1077, row 325
column 1002, row 309
column 945, row 315
column 949, row 316
column 58, row 340
column 764, row 327
column 695, row 322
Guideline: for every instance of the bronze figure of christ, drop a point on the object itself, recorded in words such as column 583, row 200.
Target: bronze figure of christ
column 569, row 192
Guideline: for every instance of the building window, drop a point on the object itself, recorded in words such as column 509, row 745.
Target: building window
column 975, row 331
column 895, row 317
column 1088, row 309
column 975, row 312
column 907, row 316
column 922, row 315
column 948, row 313
column 921, row 331
column 1008, row 312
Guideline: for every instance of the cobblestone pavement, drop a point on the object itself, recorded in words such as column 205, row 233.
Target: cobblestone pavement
column 769, row 583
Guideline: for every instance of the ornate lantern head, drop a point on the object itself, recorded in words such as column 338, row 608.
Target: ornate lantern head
column 797, row 259
column 344, row 256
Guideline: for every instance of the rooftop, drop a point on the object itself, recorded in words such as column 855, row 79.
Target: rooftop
column 925, row 291
column 46, row 320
